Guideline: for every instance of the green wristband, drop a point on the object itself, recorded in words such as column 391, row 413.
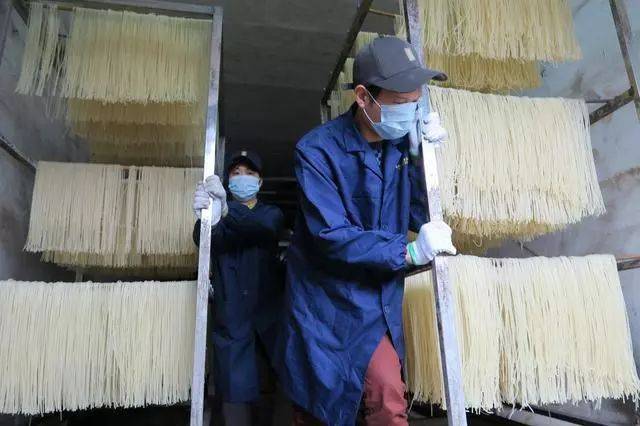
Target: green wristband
column 412, row 252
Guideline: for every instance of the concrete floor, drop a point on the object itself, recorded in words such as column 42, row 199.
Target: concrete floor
column 171, row 416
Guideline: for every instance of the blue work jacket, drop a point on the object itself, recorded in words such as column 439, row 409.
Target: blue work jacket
column 248, row 288
column 345, row 264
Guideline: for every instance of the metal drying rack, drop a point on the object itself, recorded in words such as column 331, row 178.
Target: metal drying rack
column 200, row 409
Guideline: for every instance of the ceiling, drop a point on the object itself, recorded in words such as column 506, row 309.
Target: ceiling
column 277, row 57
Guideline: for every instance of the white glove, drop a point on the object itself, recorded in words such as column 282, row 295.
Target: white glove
column 216, row 212
column 200, row 200
column 213, row 187
column 432, row 131
column 434, row 238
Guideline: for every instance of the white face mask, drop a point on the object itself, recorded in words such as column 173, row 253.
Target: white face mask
column 244, row 187
column 395, row 120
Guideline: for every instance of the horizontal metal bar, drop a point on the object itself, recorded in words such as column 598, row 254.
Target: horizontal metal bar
column 361, row 14
column 626, row 263
column 17, row 154
column 598, row 101
column 186, row 10
column 383, row 13
column 611, row 106
column 623, row 264
column 558, row 416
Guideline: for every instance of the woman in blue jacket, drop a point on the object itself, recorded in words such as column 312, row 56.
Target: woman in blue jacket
column 246, row 280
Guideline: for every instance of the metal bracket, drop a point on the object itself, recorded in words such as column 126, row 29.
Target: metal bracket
column 610, row 106
column 17, row 154
column 623, row 31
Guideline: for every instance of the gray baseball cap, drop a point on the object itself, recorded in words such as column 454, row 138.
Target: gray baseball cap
column 391, row 63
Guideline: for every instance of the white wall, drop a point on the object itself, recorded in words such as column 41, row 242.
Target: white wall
column 616, row 148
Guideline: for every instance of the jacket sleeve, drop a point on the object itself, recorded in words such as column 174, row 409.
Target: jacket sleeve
column 333, row 235
column 243, row 226
column 250, row 225
column 419, row 208
column 221, row 239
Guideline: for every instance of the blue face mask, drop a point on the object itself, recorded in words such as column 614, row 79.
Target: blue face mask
column 244, row 187
column 395, row 120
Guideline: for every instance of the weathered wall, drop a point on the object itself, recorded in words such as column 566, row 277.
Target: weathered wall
column 24, row 123
column 616, row 148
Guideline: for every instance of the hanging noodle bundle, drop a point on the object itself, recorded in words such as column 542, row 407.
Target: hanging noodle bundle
column 492, row 75
column 167, row 114
column 118, row 56
column 531, row 332
column 540, row 30
column 493, row 45
column 129, row 80
column 514, row 167
column 478, row 73
column 342, row 97
column 113, row 216
column 72, row 346
column 41, row 50
column 176, row 143
column 362, row 39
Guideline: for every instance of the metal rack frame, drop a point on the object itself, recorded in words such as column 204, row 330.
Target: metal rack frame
column 450, row 356
column 213, row 145
column 623, row 31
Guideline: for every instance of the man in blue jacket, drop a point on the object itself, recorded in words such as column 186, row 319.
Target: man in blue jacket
column 248, row 287
column 362, row 189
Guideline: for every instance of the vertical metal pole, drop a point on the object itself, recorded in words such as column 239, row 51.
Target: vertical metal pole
column 5, row 24
column 623, row 30
column 202, row 298
column 445, row 303
column 220, row 153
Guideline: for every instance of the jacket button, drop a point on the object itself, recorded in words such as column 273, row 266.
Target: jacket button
column 245, row 292
column 386, row 309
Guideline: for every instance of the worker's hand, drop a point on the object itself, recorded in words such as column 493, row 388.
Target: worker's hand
column 200, row 200
column 432, row 132
column 213, row 187
column 434, row 238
